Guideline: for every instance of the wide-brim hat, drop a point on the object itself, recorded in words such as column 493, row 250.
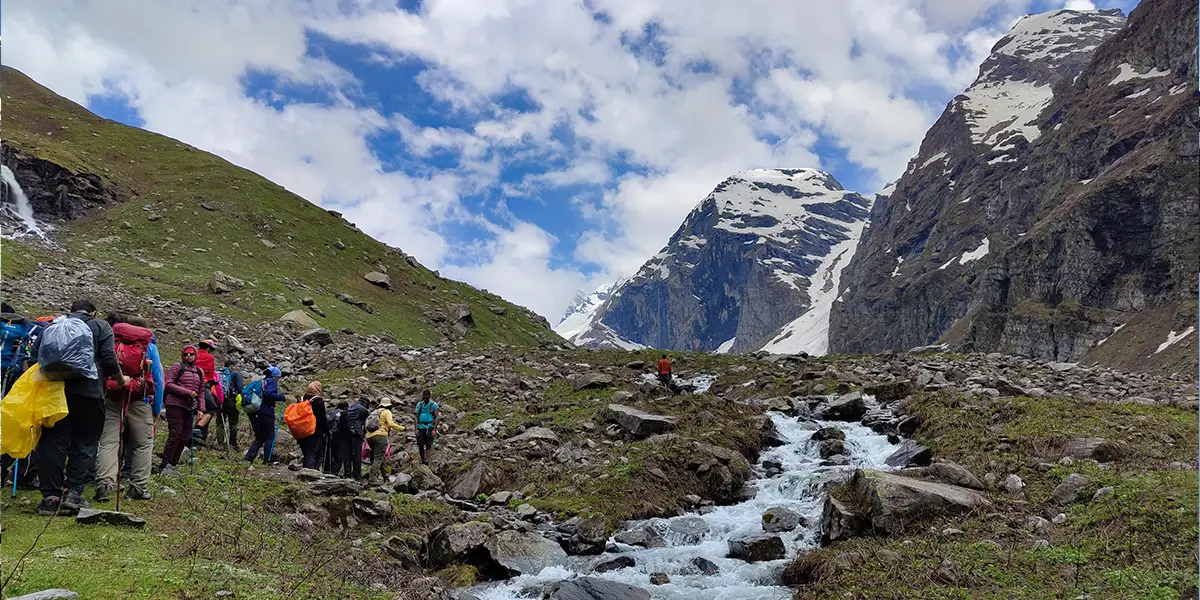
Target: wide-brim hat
column 386, row 402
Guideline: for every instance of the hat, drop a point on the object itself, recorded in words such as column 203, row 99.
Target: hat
column 209, row 342
column 274, row 371
column 386, row 402
column 313, row 389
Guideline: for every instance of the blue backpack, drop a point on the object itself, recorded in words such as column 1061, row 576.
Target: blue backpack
column 252, row 397
column 14, row 337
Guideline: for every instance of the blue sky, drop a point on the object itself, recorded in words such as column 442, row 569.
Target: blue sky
column 532, row 148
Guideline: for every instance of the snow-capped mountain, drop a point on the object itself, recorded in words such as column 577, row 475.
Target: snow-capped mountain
column 582, row 310
column 763, row 249
column 1045, row 204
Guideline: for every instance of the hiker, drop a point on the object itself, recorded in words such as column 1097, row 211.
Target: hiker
column 214, row 394
column 335, row 438
column 232, row 383
column 427, row 412
column 379, row 425
column 130, row 411
column 664, row 371
column 313, row 445
column 67, row 451
column 156, row 373
column 354, row 422
column 15, row 332
column 184, row 388
column 263, row 420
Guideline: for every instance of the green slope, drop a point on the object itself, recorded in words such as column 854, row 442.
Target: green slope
column 251, row 215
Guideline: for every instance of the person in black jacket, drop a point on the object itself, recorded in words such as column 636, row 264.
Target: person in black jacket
column 355, row 425
column 335, row 438
column 67, row 451
column 313, row 446
column 227, row 419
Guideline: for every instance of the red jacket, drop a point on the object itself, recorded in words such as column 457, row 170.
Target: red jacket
column 664, row 366
column 208, row 364
column 180, row 385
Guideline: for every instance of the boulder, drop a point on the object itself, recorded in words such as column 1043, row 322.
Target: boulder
column 223, row 284
column 1070, row 490
column 779, row 519
column 909, row 453
column 316, row 336
column 705, row 566
column 520, row 553
column 352, row 301
column 466, row 485
column 461, row 318
column 592, row 381
column 887, row 393
column 840, row 522
column 91, row 516
column 371, row 510
column 458, row 542
column 54, row 594
column 405, row 548
column 1098, row 449
column 637, row 423
column 659, row 578
column 946, row 472
column 640, row 537
column 894, row 500
column 535, row 433
column 688, row 530
column 589, row 538
column 300, row 320
column 335, row 487
column 379, row 279
column 847, row 407
column 830, row 448
column 424, row 479
column 620, row 562
column 756, row 547
column 593, row 588
column 828, row 433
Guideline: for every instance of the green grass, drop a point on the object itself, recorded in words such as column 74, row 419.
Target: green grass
column 172, row 179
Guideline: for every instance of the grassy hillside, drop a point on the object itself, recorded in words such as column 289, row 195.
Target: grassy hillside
column 251, row 229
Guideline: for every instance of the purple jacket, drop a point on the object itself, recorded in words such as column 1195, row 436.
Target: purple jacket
column 180, row 385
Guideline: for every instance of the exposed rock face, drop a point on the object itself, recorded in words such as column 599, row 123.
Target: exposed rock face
column 893, row 502
column 1051, row 201
column 222, row 283
column 458, row 542
column 764, row 249
column 524, row 553
column 54, row 192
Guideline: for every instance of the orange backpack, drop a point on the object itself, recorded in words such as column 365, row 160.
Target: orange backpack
column 300, row 419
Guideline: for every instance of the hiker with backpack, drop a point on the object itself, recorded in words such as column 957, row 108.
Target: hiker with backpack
column 263, row 419
column 232, row 383
column 156, row 373
column 379, row 425
column 354, row 422
column 214, row 393
column 184, row 389
column 306, row 422
column 129, row 409
column 15, row 332
column 427, row 412
column 78, row 349
column 336, row 437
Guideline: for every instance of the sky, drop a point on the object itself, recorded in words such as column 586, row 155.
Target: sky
column 530, row 147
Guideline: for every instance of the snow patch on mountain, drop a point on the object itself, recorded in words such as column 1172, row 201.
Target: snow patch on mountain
column 578, row 316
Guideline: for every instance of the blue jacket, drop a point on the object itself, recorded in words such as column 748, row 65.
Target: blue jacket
column 156, row 372
column 270, row 395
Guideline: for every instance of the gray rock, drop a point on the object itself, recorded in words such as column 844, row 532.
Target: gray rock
column 592, row 588
column 909, row 453
column 54, row 594
column 620, row 562
column 756, row 548
column 316, row 336
column 1103, row 493
column 637, row 423
column 828, row 433
column 424, row 479
column 1013, row 483
column 592, row 381
column 946, row 472
column 535, row 433
column 378, row 279
column 405, row 549
column 466, row 485
column 524, row 553
column 589, row 537
column 526, row 511
column 1098, row 449
column 300, row 320
column 828, row 448
column 500, row 498
column 839, row 521
column 371, row 510
column 705, row 566
column 1070, row 489
column 458, row 541
column 659, row 578
column 847, row 407
column 779, row 519
column 894, row 500
column 887, row 393
column 335, row 487
column 91, row 516
column 223, row 284
column 689, row 530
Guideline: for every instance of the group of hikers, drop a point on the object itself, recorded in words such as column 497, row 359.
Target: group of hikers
column 115, row 390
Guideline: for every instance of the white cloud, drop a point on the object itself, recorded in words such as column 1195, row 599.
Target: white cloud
column 1080, row 5
column 776, row 78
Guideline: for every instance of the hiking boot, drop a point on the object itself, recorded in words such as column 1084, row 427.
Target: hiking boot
column 166, row 470
column 103, row 493
column 74, row 501
column 139, row 494
column 49, row 506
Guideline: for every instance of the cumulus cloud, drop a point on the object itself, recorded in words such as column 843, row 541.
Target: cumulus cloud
column 1080, row 5
column 645, row 104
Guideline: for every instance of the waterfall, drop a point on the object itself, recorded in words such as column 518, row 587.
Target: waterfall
column 23, row 210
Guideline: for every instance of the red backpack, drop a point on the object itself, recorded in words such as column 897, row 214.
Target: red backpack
column 130, row 343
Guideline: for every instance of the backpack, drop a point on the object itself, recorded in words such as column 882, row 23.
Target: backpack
column 67, row 350
column 425, row 413
column 227, row 384
column 130, row 343
column 333, row 420
column 373, row 420
column 252, row 397
column 300, row 419
column 15, row 331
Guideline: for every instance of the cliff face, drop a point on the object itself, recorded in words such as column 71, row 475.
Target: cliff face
column 742, row 265
column 1053, row 201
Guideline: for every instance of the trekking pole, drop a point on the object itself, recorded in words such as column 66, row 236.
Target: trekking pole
column 192, row 444
column 274, row 436
column 121, row 441
column 16, row 471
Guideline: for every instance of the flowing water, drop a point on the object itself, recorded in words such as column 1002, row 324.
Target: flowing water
column 20, row 206
column 800, row 487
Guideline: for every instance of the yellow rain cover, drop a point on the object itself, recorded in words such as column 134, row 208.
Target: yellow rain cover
column 33, row 402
